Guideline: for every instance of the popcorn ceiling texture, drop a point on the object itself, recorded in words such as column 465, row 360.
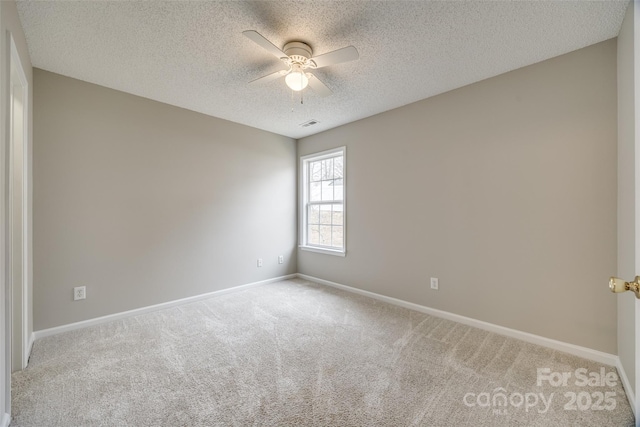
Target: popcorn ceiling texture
column 193, row 54
column 295, row 353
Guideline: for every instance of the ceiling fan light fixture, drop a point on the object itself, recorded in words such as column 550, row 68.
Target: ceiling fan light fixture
column 297, row 79
column 298, row 57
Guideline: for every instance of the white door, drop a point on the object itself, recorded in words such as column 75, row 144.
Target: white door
column 635, row 302
column 636, row 310
column 628, row 208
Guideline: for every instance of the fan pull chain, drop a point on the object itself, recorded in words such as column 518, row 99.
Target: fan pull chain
column 301, row 99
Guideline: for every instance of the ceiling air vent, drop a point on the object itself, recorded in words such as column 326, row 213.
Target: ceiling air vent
column 309, row 123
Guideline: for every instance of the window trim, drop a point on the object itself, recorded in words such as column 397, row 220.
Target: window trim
column 303, row 201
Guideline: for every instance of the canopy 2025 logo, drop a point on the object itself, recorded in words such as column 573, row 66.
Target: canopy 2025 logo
column 596, row 400
column 583, row 400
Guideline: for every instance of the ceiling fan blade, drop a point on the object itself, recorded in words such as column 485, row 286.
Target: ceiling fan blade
column 318, row 87
column 268, row 77
column 264, row 43
column 345, row 54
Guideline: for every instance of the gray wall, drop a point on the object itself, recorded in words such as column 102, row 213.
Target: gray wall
column 627, row 211
column 145, row 203
column 505, row 190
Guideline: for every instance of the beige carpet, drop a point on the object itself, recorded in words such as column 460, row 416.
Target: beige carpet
column 295, row 353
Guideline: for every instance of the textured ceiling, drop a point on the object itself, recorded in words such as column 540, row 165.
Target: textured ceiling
column 193, row 54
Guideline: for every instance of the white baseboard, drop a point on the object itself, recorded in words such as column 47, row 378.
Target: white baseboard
column 117, row 316
column 6, row 420
column 576, row 350
column 584, row 352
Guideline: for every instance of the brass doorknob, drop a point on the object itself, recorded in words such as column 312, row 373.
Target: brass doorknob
column 618, row 285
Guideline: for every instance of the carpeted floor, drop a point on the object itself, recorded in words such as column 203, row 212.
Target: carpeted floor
column 295, row 353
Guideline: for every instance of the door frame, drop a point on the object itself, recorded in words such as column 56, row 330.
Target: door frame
column 18, row 82
column 13, row 77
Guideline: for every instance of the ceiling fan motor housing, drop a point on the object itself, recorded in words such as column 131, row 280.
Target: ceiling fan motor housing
column 298, row 52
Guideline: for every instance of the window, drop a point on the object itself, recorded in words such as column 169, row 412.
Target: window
column 322, row 207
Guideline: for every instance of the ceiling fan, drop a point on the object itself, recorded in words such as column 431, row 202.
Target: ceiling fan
column 299, row 59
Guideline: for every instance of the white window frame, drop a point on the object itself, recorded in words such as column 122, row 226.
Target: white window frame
column 304, row 200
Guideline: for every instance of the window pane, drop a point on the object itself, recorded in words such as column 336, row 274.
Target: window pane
column 337, row 167
column 337, row 216
column 325, row 235
column 323, row 195
column 337, row 237
column 315, row 171
column 338, row 189
column 327, row 190
column 314, row 192
column 313, row 215
column 313, row 235
column 325, row 214
column 327, row 169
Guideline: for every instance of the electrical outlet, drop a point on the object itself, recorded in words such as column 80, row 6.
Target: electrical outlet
column 259, row 262
column 434, row 283
column 79, row 292
column 281, row 259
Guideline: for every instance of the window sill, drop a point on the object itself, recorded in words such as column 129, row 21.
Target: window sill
column 333, row 252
